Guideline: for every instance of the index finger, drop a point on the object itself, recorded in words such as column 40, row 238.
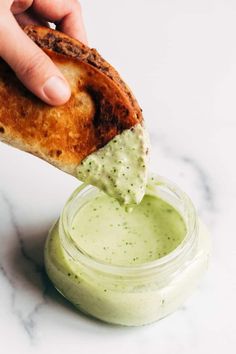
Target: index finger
column 66, row 14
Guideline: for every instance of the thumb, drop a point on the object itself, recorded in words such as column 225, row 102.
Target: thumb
column 32, row 66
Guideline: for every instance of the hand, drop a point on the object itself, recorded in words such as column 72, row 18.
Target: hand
column 32, row 66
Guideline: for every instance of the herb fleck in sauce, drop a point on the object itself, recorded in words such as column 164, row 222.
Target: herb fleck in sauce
column 112, row 235
column 120, row 167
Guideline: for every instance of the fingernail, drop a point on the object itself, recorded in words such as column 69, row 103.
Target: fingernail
column 56, row 90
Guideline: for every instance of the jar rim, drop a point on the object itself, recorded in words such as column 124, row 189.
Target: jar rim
column 78, row 255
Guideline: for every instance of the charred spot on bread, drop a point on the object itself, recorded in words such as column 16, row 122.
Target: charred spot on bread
column 101, row 105
column 49, row 39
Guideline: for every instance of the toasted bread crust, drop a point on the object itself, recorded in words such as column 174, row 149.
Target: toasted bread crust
column 61, row 43
column 99, row 108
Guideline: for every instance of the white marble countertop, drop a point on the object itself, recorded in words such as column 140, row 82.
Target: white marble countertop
column 180, row 59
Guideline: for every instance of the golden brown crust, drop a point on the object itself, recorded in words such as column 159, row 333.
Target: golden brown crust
column 100, row 106
column 61, row 43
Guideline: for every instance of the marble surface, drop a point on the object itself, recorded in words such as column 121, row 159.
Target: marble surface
column 180, row 59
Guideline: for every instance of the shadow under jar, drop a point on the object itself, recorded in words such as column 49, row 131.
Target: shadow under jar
column 107, row 264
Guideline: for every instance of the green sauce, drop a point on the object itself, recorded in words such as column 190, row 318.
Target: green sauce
column 102, row 229
column 106, row 231
column 120, row 168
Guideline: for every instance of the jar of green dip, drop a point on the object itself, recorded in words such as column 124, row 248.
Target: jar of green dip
column 127, row 267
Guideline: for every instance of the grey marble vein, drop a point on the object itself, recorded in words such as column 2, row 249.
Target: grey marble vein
column 19, row 234
column 203, row 179
column 28, row 322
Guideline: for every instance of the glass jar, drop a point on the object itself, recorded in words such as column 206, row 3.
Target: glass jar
column 127, row 295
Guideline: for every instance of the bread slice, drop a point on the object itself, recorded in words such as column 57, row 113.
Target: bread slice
column 101, row 105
